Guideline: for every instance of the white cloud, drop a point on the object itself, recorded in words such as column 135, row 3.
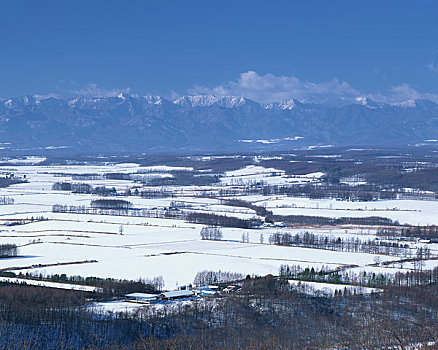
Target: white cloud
column 403, row 92
column 46, row 96
column 94, row 90
column 272, row 88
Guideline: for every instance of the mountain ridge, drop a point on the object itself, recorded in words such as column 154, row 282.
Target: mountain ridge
column 134, row 123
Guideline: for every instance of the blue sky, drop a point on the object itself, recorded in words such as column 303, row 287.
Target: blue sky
column 311, row 50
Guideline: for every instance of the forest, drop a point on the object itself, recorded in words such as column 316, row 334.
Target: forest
column 267, row 313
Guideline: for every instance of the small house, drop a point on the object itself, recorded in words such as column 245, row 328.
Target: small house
column 205, row 291
column 230, row 289
column 185, row 287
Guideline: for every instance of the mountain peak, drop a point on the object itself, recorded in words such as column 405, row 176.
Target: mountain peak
column 367, row 102
column 414, row 103
column 154, row 100
column 233, row 101
column 286, row 104
column 196, row 100
column 155, row 123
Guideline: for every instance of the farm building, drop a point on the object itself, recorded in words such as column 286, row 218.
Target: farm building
column 176, row 294
column 205, row 291
column 142, row 298
column 185, row 287
column 231, row 289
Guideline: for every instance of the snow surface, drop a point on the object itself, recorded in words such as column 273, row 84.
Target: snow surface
column 173, row 249
column 49, row 284
column 414, row 212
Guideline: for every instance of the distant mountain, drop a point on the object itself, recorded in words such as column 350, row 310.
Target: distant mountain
column 135, row 123
column 196, row 101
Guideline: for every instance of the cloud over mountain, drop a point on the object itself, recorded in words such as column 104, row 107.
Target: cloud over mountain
column 272, row 88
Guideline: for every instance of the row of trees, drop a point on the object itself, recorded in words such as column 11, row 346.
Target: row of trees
column 348, row 244
column 80, row 187
column 8, row 181
column 8, row 250
column 211, row 233
column 110, row 287
column 171, row 213
column 111, row 204
column 6, row 200
column 221, row 220
column 366, row 279
column 422, row 232
column 208, row 277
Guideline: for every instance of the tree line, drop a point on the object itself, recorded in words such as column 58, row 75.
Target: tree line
column 208, row 277
column 8, row 250
column 109, row 287
column 348, row 244
column 366, row 279
column 6, row 200
column 268, row 313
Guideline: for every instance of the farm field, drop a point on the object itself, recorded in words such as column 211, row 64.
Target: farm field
column 412, row 212
column 124, row 245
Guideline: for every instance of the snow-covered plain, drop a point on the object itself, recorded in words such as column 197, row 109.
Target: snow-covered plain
column 91, row 245
column 413, row 212
column 271, row 176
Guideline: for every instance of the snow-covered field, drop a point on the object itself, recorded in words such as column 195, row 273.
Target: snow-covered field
column 413, row 212
column 170, row 248
column 91, row 245
column 271, row 176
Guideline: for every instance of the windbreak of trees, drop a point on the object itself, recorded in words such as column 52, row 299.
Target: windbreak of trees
column 222, row 220
column 422, row 232
column 110, row 191
column 8, row 181
column 348, row 244
column 6, row 200
column 155, row 194
column 211, row 233
column 207, row 277
column 360, row 193
column 84, row 188
column 111, row 204
column 166, row 213
column 117, row 176
column 8, row 250
column 85, row 177
column 369, row 279
column 110, row 287
column 320, row 220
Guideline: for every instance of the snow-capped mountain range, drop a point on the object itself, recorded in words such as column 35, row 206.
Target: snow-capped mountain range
column 136, row 123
